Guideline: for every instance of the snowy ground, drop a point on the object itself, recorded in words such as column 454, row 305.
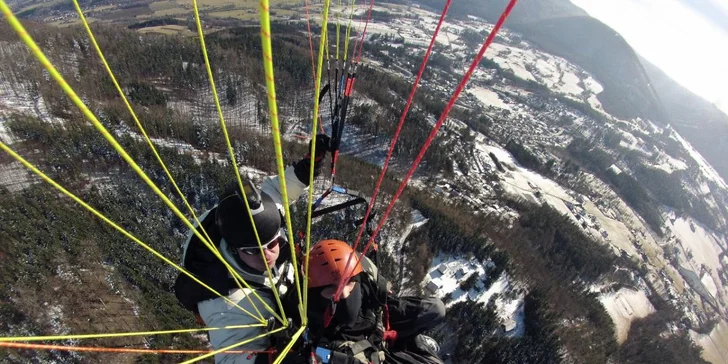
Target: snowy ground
column 670, row 164
column 488, row 97
column 457, row 270
column 508, row 51
column 705, row 167
column 714, row 344
column 14, row 176
column 623, row 307
column 393, row 248
column 700, row 253
column 619, row 234
column 704, row 246
column 526, row 183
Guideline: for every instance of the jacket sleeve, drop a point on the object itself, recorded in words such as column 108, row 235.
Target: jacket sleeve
column 295, row 188
column 218, row 313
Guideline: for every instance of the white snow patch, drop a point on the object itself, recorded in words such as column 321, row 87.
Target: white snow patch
column 416, row 220
column 624, row 306
column 512, row 312
column 670, row 164
column 705, row 167
column 526, row 183
column 709, row 284
column 488, row 97
column 499, row 286
column 703, row 245
column 518, row 69
column 618, row 232
column 4, row 133
column 594, row 102
column 570, row 84
column 68, row 273
column 593, row 85
column 715, row 344
column 56, row 318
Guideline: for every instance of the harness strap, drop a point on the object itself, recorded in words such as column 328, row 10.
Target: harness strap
column 389, row 335
column 358, row 350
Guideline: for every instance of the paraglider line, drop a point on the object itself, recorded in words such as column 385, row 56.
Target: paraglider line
column 317, row 99
column 120, row 350
column 265, row 32
column 101, row 216
column 313, row 65
column 433, row 133
column 123, row 334
column 136, row 120
column 234, row 165
column 40, row 56
column 364, row 33
column 402, row 118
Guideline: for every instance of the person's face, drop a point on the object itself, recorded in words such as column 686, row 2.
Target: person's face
column 329, row 291
column 272, row 249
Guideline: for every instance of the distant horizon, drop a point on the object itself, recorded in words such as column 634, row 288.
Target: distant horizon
column 688, row 40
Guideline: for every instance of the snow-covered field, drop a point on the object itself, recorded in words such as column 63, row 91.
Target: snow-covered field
column 526, row 183
column 624, row 306
column 714, row 344
column 670, row 164
column 508, row 51
column 488, row 97
column 619, row 234
column 703, row 246
column 700, row 252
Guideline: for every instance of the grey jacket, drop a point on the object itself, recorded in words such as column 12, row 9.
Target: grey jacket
column 219, row 313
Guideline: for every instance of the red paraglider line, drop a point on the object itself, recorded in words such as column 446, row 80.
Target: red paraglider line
column 443, row 117
column 416, row 83
column 364, row 33
column 434, row 131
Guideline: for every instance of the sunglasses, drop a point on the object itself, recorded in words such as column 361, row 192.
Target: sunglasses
column 280, row 238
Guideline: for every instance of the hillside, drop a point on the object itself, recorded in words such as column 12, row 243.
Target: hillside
column 561, row 28
column 544, row 221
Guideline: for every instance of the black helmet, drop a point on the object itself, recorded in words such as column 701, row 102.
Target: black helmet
column 233, row 221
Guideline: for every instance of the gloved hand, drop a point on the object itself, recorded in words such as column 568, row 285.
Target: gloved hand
column 323, row 145
column 302, row 167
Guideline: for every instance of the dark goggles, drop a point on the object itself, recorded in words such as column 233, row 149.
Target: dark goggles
column 280, row 238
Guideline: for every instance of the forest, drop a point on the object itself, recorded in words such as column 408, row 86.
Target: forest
column 551, row 257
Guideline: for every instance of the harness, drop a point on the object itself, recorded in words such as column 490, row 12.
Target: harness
column 371, row 349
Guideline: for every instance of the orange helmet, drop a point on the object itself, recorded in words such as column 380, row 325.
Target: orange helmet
column 328, row 263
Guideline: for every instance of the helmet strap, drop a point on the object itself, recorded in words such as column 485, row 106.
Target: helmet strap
column 329, row 313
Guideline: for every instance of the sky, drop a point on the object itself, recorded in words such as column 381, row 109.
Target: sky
column 688, row 39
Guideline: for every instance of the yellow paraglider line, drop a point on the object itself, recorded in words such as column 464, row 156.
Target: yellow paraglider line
column 265, row 34
column 210, row 243
column 338, row 27
column 317, row 88
column 123, row 334
column 268, row 65
column 38, row 53
column 136, row 119
column 233, row 346
column 113, row 224
column 237, row 174
column 294, row 338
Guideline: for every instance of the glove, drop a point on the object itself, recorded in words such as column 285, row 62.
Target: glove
column 302, row 167
column 323, row 145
